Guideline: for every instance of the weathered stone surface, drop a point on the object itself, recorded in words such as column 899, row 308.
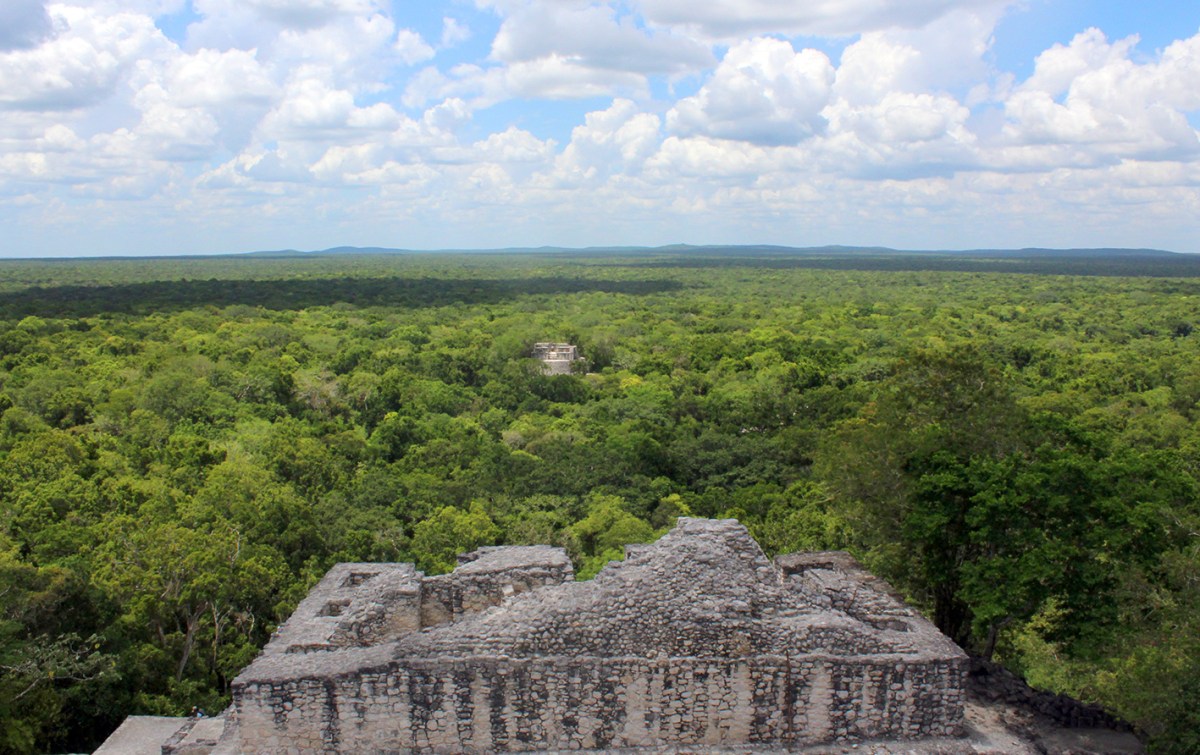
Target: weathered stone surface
column 694, row 644
column 487, row 577
column 141, row 735
column 697, row 640
column 198, row 737
column 556, row 358
column 361, row 605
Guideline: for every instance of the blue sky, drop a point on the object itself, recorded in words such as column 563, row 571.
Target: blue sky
column 205, row 126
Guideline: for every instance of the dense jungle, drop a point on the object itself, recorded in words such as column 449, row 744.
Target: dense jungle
column 186, row 445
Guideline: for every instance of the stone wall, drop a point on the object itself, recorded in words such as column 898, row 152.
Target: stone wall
column 487, row 705
column 489, row 576
column 556, row 358
column 696, row 640
column 365, row 605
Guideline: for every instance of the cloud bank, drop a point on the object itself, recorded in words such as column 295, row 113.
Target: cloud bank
column 265, row 123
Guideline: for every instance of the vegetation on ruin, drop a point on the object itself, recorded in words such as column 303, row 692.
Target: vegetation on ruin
column 187, row 445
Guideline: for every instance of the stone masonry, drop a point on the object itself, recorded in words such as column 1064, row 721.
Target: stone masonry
column 556, row 358
column 695, row 641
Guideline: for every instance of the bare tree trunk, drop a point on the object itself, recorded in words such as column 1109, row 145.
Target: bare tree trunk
column 189, row 640
column 989, row 648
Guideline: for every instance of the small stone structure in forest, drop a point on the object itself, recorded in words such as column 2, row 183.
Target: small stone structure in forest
column 556, row 358
column 697, row 642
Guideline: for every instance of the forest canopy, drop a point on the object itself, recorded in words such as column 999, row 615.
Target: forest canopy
column 186, row 445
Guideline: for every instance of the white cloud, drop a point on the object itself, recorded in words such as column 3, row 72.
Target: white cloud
column 152, row 8
column 294, row 14
column 874, row 66
column 295, row 32
column 170, row 133
column 726, row 19
column 82, row 64
column 565, row 50
column 340, row 162
column 617, row 140
column 59, row 138
column 358, row 52
column 595, row 37
column 23, row 24
column 1057, row 68
column 561, row 77
column 1091, row 103
column 411, row 48
column 947, row 54
column 763, row 92
column 513, row 145
column 25, row 166
column 553, row 77
column 903, row 118
column 260, row 170
column 426, row 85
column 447, row 115
column 454, row 33
column 904, row 136
column 312, row 109
column 211, row 78
column 312, row 114
column 702, row 157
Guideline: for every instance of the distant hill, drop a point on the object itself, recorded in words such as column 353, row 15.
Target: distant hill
column 1106, row 261
column 754, row 250
column 1101, row 253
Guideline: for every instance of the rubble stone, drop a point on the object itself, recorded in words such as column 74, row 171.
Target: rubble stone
column 697, row 640
column 695, row 643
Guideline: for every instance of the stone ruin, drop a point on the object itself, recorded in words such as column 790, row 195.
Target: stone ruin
column 697, row 642
column 556, row 358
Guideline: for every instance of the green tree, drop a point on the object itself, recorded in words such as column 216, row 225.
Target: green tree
column 438, row 540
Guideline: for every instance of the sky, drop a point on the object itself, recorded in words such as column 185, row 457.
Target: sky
column 145, row 127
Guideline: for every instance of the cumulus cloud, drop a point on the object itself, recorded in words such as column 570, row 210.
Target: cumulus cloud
column 152, row 8
column 23, row 24
column 559, row 77
column 312, row 109
column 196, row 103
column 563, row 50
column 411, row 48
column 454, row 32
column 292, row 29
column 1090, row 93
column 901, row 118
column 725, row 19
column 763, row 92
column 447, row 115
column 82, row 64
column 169, row 133
column 594, row 36
column 616, row 140
column 554, row 77
column 359, row 52
column 703, row 157
column 947, row 54
column 288, row 104
column 297, row 14
column 258, row 169
column 214, row 78
column 903, row 136
column 513, row 145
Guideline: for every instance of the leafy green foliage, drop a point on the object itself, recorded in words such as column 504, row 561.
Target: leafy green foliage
column 448, row 532
column 187, row 445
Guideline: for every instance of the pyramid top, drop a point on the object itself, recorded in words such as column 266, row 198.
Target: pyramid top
column 696, row 640
column 705, row 589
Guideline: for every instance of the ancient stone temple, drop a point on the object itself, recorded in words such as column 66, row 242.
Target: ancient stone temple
column 696, row 641
column 556, row 358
